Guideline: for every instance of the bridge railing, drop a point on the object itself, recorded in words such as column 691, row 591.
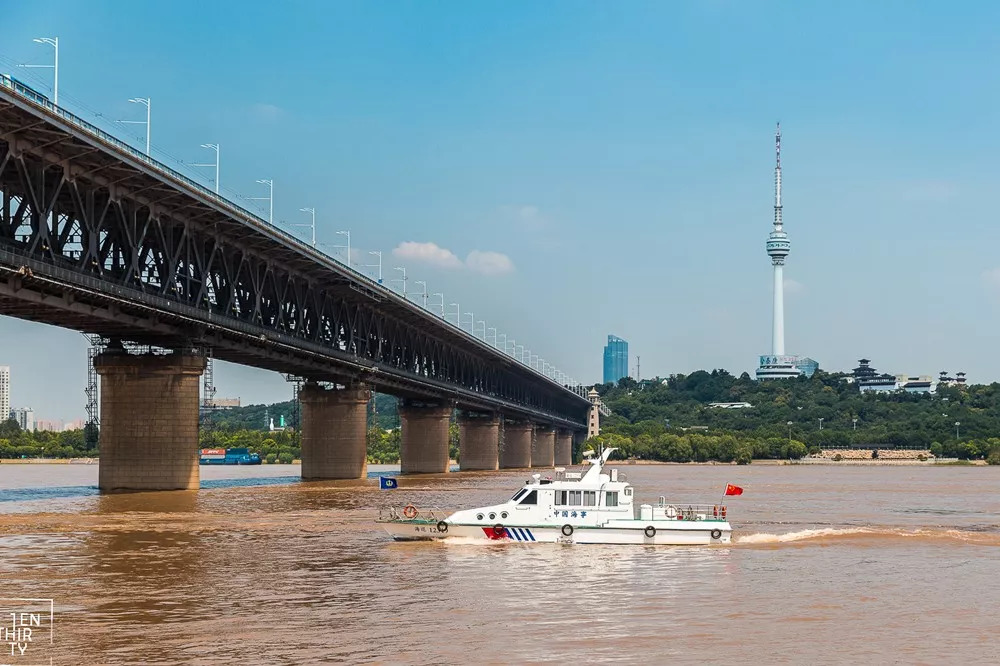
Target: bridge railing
column 37, row 98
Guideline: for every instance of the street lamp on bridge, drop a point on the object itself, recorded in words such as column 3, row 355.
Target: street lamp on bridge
column 348, row 246
column 424, row 294
column 483, row 325
column 472, row 322
column 145, row 101
column 54, row 43
column 494, row 336
column 269, row 198
column 504, row 336
column 311, row 211
column 215, row 165
column 458, row 314
column 438, row 293
column 377, row 253
column 402, row 279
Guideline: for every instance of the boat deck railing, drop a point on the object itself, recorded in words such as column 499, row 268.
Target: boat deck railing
column 692, row 511
column 393, row 514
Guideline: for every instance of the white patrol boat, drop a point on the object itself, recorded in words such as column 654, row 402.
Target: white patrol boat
column 591, row 507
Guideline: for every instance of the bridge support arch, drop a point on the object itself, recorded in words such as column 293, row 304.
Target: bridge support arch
column 543, row 447
column 563, row 455
column 334, row 432
column 516, row 451
column 479, row 441
column 149, row 420
column 423, row 446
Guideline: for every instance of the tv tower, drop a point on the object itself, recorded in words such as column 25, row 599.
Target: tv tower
column 778, row 248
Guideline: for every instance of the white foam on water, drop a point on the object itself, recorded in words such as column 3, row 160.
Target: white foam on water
column 801, row 535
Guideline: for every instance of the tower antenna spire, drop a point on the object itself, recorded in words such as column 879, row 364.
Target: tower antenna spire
column 777, row 177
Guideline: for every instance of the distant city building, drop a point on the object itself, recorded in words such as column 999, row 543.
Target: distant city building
column 869, row 379
column 778, row 365
column 53, row 425
column 25, row 417
column 615, row 360
column 729, row 405
column 74, row 425
column 947, row 380
column 919, row 384
column 4, row 391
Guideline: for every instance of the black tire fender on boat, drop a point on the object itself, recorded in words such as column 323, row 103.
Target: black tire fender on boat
column 498, row 530
column 442, row 526
column 650, row 531
column 716, row 534
column 567, row 530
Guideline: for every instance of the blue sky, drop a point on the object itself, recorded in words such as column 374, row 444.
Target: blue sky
column 611, row 163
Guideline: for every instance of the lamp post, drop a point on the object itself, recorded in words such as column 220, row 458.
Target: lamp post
column 269, row 198
column 789, row 424
column 438, row 293
column 54, row 43
column 855, row 422
column 348, row 246
column 311, row 211
column 377, row 253
column 504, row 336
column 957, row 423
column 494, row 335
column 145, row 101
column 519, row 355
column 402, row 279
column 458, row 314
column 472, row 322
column 821, row 423
column 424, row 294
column 215, row 165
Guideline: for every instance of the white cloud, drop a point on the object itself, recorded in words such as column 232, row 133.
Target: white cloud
column 428, row 253
column 489, row 263
column 266, row 111
column 793, row 287
column 991, row 278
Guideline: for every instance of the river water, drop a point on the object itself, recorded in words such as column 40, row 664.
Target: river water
column 831, row 564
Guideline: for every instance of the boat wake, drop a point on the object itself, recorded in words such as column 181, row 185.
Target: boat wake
column 832, row 535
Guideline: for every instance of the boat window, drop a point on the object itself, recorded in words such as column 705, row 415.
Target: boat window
column 518, row 494
column 590, row 498
column 611, row 498
column 628, row 492
column 575, row 498
column 560, row 498
column 531, row 498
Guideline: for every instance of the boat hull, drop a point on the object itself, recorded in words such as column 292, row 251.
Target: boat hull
column 663, row 533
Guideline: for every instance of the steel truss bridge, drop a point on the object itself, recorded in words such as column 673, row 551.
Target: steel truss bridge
column 97, row 237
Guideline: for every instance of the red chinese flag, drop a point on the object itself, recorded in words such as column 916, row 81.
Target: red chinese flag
column 733, row 490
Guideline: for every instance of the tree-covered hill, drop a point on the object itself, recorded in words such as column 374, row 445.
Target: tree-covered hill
column 679, row 407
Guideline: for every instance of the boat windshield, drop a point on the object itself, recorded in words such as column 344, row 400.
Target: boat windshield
column 518, row 494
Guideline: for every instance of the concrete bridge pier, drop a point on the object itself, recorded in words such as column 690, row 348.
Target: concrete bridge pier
column 423, row 447
column 149, row 420
column 516, row 452
column 334, row 432
column 543, row 447
column 563, row 456
column 479, row 440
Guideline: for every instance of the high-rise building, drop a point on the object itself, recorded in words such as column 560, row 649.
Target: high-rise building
column 25, row 417
column 615, row 360
column 4, row 392
column 777, row 365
